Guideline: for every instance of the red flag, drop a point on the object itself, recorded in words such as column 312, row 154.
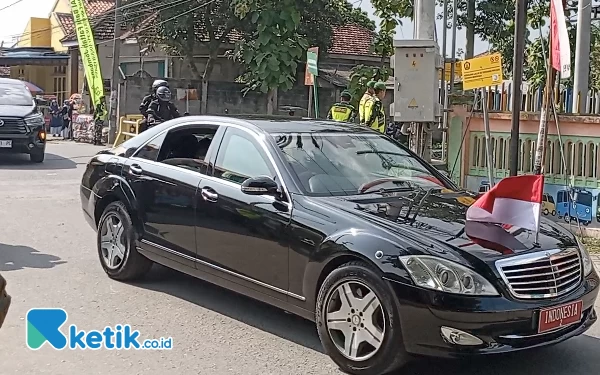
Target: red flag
column 561, row 50
column 513, row 201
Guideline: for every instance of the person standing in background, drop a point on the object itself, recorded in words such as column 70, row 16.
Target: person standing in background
column 67, row 115
column 368, row 95
column 56, row 121
column 374, row 113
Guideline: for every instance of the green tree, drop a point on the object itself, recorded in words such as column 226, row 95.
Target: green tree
column 186, row 28
column 195, row 25
column 280, row 34
column 391, row 13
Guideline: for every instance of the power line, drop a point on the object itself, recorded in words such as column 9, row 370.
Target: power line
column 9, row 5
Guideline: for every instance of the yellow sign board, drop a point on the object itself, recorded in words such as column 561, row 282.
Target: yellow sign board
column 457, row 71
column 482, row 72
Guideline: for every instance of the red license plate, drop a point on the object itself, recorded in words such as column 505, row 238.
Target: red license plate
column 560, row 316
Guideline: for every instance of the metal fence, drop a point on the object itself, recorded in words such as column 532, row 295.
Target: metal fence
column 500, row 100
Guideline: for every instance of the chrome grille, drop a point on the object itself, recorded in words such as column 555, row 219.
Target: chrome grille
column 545, row 274
column 12, row 125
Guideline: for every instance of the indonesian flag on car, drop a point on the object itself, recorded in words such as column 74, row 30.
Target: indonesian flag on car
column 561, row 50
column 514, row 201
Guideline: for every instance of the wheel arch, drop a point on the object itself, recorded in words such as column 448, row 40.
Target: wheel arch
column 112, row 189
column 363, row 248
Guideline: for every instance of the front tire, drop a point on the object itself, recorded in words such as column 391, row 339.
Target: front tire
column 116, row 241
column 37, row 156
column 4, row 300
column 358, row 321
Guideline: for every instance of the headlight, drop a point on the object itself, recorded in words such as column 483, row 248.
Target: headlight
column 588, row 265
column 35, row 120
column 446, row 276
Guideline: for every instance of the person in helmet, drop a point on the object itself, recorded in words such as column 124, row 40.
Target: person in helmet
column 343, row 111
column 162, row 109
column 150, row 97
column 367, row 96
column 147, row 100
column 374, row 113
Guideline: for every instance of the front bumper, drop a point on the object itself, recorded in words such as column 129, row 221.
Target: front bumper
column 503, row 324
column 23, row 143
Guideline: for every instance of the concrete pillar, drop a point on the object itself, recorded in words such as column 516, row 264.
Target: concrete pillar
column 582, row 56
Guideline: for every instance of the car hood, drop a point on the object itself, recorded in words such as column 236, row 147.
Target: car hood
column 438, row 218
column 16, row 110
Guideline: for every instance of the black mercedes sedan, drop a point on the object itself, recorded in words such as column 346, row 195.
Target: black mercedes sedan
column 338, row 224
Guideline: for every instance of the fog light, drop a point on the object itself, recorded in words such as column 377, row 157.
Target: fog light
column 458, row 337
column 31, row 145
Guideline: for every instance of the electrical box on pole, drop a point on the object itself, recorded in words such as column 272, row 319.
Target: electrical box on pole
column 417, row 65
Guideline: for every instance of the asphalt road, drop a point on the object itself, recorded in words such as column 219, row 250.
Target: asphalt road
column 48, row 256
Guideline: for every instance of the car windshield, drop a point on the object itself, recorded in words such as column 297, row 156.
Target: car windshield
column 15, row 95
column 584, row 199
column 340, row 163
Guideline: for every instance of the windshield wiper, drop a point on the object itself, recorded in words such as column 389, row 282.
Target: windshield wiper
column 362, row 152
column 395, row 180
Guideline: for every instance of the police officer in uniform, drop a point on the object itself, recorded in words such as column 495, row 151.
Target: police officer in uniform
column 148, row 99
column 368, row 95
column 343, row 111
column 374, row 114
column 162, row 109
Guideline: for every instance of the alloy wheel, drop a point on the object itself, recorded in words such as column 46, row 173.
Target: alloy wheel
column 113, row 242
column 355, row 320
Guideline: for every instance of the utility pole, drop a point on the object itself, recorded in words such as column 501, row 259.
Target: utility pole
column 425, row 30
column 444, row 87
column 582, row 55
column 116, row 75
column 543, row 130
column 517, row 78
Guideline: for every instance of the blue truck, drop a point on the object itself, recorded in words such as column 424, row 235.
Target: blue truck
column 575, row 204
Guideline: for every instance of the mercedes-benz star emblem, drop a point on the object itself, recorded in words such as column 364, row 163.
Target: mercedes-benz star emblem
column 1, row 123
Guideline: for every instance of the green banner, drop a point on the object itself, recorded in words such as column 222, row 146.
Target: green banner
column 89, row 56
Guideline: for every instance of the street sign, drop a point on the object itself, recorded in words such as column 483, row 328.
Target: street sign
column 311, row 66
column 482, row 72
column 311, row 60
column 457, row 71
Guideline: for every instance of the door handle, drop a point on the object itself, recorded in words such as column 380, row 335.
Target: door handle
column 209, row 195
column 135, row 169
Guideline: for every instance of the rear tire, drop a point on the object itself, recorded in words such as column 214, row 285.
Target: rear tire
column 116, row 241
column 362, row 360
column 37, row 156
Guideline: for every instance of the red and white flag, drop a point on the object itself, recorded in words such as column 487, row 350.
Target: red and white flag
column 513, row 201
column 561, row 50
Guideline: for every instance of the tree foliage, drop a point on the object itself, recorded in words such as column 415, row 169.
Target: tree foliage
column 186, row 28
column 272, row 36
column 391, row 13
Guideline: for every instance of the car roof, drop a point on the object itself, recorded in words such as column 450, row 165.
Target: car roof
column 281, row 124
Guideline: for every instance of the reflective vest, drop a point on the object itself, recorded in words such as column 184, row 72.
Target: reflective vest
column 379, row 120
column 342, row 112
column 362, row 106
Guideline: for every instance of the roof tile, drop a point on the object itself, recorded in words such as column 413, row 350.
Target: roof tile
column 352, row 40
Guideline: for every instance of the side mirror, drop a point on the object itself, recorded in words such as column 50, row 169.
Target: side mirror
column 260, row 185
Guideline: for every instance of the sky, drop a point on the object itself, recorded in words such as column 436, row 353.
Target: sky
column 14, row 19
